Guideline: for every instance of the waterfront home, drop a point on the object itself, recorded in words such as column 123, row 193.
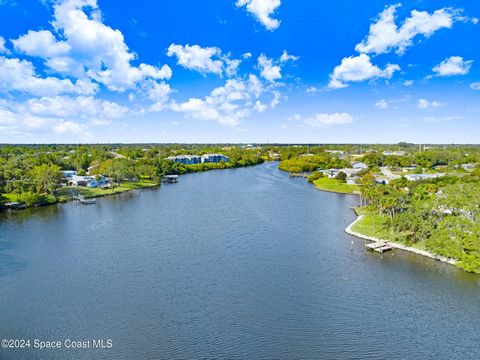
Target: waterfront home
column 90, row 181
column 339, row 152
column 68, row 174
column 394, row 153
column 197, row 159
column 408, row 168
column 332, row 173
column 214, row 158
column 274, row 156
column 416, row 177
column 351, row 172
column 468, row 166
column 359, row 166
column 186, row 159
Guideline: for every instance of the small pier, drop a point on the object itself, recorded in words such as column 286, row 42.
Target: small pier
column 83, row 200
column 15, row 205
column 379, row 246
column 171, row 179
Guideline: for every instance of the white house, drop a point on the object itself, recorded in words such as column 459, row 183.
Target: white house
column 214, row 158
column 468, row 166
column 359, row 166
column 197, row 159
column 89, row 181
column 394, row 153
column 67, row 174
column 416, row 177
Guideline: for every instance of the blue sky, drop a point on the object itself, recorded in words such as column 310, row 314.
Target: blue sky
column 303, row 71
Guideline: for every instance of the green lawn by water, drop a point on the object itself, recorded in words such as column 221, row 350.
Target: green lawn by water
column 334, row 185
column 64, row 193
column 376, row 225
column 372, row 225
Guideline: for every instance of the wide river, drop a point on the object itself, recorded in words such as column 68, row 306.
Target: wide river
column 234, row 264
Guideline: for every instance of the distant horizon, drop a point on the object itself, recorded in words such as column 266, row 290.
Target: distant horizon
column 241, row 143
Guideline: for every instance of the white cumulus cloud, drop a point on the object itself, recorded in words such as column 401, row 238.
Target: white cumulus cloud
column 64, row 127
column 86, row 48
column 41, row 43
column 269, row 70
column 159, row 94
column 385, row 35
column 86, row 107
column 197, row 58
column 263, row 11
column 204, row 59
column 454, row 65
column 228, row 104
column 288, row 57
column 359, row 68
column 19, row 75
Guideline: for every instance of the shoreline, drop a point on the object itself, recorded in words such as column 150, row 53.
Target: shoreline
column 63, row 200
column 396, row 245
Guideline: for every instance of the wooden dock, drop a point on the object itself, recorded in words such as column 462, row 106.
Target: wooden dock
column 379, row 246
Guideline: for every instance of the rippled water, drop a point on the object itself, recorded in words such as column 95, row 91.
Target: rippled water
column 244, row 264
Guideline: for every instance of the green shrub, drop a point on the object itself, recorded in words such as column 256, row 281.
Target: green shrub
column 316, row 175
column 341, row 176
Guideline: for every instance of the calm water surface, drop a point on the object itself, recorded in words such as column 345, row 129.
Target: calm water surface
column 244, row 264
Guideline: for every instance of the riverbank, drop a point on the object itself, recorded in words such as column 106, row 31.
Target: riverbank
column 333, row 185
column 64, row 194
column 350, row 230
column 336, row 186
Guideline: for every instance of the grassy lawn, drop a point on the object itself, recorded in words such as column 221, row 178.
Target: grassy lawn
column 334, row 185
column 373, row 225
column 378, row 226
column 44, row 199
column 64, row 194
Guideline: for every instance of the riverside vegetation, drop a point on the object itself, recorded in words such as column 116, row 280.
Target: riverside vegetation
column 437, row 214
column 32, row 174
column 440, row 215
